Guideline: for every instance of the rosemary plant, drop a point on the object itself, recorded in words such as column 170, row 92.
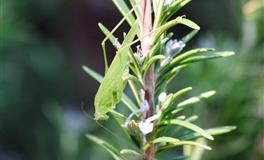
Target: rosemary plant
column 148, row 69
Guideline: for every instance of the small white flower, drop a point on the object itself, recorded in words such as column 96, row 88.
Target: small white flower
column 145, row 127
column 162, row 97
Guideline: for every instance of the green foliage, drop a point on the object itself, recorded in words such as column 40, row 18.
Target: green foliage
column 115, row 153
column 38, row 67
column 167, row 127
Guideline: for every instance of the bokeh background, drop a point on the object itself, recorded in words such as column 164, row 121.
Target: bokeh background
column 46, row 99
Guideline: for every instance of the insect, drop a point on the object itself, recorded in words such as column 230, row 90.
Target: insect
column 115, row 80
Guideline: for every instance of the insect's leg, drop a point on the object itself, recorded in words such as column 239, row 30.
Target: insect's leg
column 105, row 56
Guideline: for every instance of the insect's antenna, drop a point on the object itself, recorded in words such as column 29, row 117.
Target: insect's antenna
column 97, row 122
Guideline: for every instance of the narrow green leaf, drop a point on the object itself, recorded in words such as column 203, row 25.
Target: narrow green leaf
column 120, row 118
column 192, row 118
column 137, row 67
column 124, row 10
column 182, row 57
column 182, row 143
column 178, row 20
column 182, row 105
column 134, row 90
column 207, row 56
column 181, row 92
column 128, row 38
column 181, row 117
column 212, row 131
column 137, row 134
column 189, row 36
column 167, row 102
column 181, row 158
column 167, row 77
column 112, row 150
column 172, row 142
column 93, row 74
column 191, row 53
column 159, row 13
column 174, row 97
column 135, row 5
column 221, row 130
column 150, row 62
column 186, row 22
column 165, row 139
column 179, row 130
column 174, row 7
column 195, row 152
column 160, row 30
column 136, row 80
column 187, row 125
column 130, row 152
column 154, row 50
column 197, row 99
column 129, row 103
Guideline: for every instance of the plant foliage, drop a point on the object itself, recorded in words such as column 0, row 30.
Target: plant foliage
column 166, row 126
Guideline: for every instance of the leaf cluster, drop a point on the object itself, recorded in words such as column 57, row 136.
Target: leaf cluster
column 169, row 127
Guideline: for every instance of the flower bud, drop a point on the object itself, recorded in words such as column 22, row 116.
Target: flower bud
column 162, row 97
column 173, row 47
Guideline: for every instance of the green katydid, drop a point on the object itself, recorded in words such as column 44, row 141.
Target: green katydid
column 114, row 82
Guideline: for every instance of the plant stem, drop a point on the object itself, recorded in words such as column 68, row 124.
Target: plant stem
column 146, row 45
column 150, row 152
column 149, row 96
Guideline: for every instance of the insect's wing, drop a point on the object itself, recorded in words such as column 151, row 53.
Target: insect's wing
column 111, row 89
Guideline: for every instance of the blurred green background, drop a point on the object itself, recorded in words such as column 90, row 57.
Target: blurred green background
column 46, row 100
